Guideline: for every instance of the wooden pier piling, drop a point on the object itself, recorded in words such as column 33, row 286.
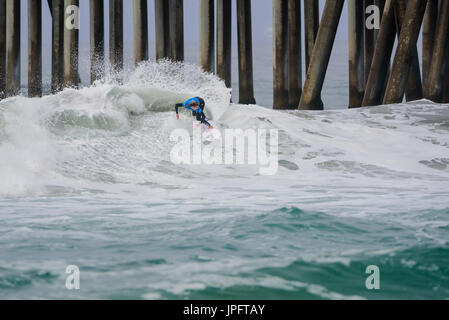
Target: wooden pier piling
column 407, row 42
column 295, row 54
column 245, row 52
column 428, row 38
column 176, row 29
column 116, row 37
column 370, row 41
column 57, row 60
column 2, row 49
column 207, row 35
column 161, row 22
column 12, row 47
column 413, row 90
column 140, row 14
column 356, row 26
column 34, row 48
column 224, row 43
column 280, row 54
column 439, row 63
column 373, row 78
column 312, row 22
column 382, row 58
column 71, row 41
column 446, row 86
column 96, row 40
column 316, row 73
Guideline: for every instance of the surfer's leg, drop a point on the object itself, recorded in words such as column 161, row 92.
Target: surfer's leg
column 202, row 118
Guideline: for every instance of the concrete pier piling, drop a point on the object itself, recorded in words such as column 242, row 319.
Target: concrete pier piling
column 245, row 52
column 428, row 38
column 140, row 15
column 161, row 22
column 34, row 48
column 409, row 34
column 12, row 47
column 57, row 60
column 96, row 40
column 280, row 54
column 207, row 35
column 381, row 60
column 439, row 62
column 224, row 44
column 316, row 73
column 294, row 53
column 176, row 29
column 356, row 26
column 116, row 36
column 2, row 49
column 71, row 41
column 311, row 22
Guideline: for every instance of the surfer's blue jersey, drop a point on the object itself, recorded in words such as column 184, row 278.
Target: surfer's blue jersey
column 198, row 100
column 198, row 113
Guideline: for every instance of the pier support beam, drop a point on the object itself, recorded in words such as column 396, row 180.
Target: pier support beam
column 2, row 49
column 356, row 26
column 295, row 53
column 71, row 40
column 34, row 48
column 116, row 36
column 96, row 40
column 382, row 57
column 140, row 13
column 428, row 38
column 370, row 40
column 316, row 73
column 439, row 63
column 57, row 60
column 12, row 47
column 446, row 87
column 245, row 52
column 371, row 32
column 280, row 54
column 413, row 90
column 407, row 42
column 176, row 29
column 162, row 34
column 312, row 22
column 224, row 33
column 207, row 35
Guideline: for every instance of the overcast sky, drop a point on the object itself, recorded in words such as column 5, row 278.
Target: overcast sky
column 261, row 15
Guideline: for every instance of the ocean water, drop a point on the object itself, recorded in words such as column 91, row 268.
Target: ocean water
column 87, row 180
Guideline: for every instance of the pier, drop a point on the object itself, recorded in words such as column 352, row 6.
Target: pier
column 384, row 63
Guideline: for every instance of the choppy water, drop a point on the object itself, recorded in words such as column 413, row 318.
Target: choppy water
column 86, row 180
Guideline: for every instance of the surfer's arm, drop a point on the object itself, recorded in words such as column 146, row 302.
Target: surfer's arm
column 177, row 106
column 202, row 103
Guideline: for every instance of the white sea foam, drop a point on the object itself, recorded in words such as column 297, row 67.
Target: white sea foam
column 115, row 139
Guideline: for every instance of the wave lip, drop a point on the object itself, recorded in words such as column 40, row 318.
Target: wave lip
column 40, row 138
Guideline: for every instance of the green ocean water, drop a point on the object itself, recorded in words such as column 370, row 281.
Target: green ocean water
column 124, row 252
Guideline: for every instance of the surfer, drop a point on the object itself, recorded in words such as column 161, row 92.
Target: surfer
column 196, row 105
